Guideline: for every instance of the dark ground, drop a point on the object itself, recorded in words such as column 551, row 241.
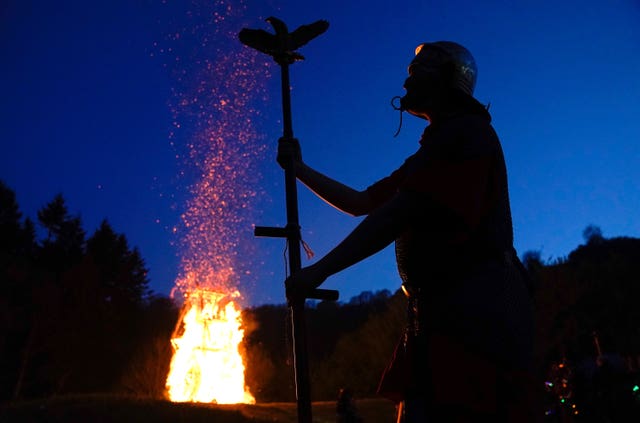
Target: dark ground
column 107, row 409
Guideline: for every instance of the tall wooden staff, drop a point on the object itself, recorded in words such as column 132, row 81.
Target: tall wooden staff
column 282, row 47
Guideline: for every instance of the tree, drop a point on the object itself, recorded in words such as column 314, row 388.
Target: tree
column 532, row 260
column 360, row 356
column 60, row 225
column 338, row 334
column 17, row 245
column 17, row 239
column 83, row 304
column 124, row 281
column 9, row 219
column 74, row 312
column 107, row 318
column 592, row 234
column 147, row 369
column 595, row 289
column 58, row 288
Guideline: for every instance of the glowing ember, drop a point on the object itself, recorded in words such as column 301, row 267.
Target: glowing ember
column 214, row 111
column 206, row 365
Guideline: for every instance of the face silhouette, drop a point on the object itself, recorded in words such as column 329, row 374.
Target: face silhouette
column 426, row 83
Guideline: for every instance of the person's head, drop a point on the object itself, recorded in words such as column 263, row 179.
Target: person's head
column 437, row 71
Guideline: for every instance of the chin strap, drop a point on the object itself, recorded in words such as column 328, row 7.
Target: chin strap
column 398, row 107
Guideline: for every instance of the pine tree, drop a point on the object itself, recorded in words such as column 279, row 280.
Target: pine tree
column 17, row 244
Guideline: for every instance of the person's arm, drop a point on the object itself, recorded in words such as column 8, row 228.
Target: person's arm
column 340, row 196
column 374, row 233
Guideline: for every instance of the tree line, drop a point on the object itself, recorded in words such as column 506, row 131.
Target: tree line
column 589, row 302
column 77, row 316
column 588, row 329
column 349, row 346
column 586, row 305
column 76, row 311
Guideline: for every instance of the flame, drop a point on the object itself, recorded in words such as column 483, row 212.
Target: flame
column 206, row 364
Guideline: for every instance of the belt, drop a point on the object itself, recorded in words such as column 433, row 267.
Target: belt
column 506, row 258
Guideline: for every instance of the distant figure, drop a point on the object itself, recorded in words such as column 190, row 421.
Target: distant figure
column 612, row 400
column 346, row 411
column 468, row 349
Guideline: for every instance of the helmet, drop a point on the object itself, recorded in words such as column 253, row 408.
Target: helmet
column 451, row 57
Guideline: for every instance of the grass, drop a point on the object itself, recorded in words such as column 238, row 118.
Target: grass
column 108, row 409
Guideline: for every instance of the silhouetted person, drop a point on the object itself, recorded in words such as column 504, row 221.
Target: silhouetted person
column 346, row 411
column 447, row 209
column 612, row 400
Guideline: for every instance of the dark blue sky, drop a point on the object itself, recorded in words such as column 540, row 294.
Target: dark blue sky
column 89, row 98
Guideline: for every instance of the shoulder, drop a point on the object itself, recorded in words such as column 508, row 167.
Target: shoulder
column 469, row 135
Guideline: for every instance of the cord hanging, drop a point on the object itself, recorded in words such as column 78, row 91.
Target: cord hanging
column 397, row 107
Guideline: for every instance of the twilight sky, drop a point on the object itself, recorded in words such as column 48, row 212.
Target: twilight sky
column 99, row 103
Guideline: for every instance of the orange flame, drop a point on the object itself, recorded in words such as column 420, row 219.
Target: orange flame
column 207, row 365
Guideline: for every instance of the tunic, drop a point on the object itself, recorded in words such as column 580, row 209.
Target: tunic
column 470, row 314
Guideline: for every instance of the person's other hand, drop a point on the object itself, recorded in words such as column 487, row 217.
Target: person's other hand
column 288, row 149
column 303, row 282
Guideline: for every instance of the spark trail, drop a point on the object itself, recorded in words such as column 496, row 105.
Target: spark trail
column 220, row 83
